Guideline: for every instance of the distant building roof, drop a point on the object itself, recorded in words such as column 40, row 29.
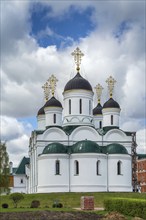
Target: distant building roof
column 141, row 156
column 21, row 167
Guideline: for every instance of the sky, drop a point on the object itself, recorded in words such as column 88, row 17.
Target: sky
column 37, row 39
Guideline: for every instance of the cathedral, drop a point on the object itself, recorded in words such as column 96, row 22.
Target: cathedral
column 78, row 148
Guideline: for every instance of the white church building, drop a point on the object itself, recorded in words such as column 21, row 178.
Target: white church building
column 78, row 148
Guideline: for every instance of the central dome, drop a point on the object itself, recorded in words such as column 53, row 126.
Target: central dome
column 78, row 82
column 86, row 146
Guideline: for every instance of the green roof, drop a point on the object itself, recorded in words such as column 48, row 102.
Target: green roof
column 21, row 167
column 115, row 149
column 85, row 146
column 55, row 148
column 141, row 156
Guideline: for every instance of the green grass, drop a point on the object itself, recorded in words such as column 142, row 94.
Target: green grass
column 69, row 200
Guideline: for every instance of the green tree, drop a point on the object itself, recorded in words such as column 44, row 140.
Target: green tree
column 16, row 197
column 4, row 169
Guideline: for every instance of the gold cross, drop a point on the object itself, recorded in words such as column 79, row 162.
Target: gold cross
column 77, row 57
column 52, row 81
column 111, row 82
column 98, row 89
column 46, row 91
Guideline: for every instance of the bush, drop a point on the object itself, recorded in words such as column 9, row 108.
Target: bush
column 5, row 205
column 16, row 197
column 35, row 204
column 57, row 204
column 131, row 207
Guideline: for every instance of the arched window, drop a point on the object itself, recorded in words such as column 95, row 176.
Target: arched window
column 57, row 167
column 112, row 119
column 100, row 124
column 89, row 107
column 119, row 164
column 76, row 168
column 69, row 106
column 54, row 118
column 98, row 167
column 80, row 106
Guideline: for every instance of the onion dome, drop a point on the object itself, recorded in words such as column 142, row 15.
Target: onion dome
column 97, row 110
column 78, row 82
column 55, row 148
column 116, row 149
column 41, row 111
column 86, row 146
column 53, row 102
column 111, row 103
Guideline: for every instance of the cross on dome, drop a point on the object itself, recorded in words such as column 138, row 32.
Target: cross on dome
column 111, row 82
column 46, row 91
column 77, row 53
column 98, row 89
column 52, row 83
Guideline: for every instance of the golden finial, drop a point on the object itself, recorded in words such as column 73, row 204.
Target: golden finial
column 46, row 91
column 111, row 81
column 98, row 89
column 77, row 57
column 52, row 81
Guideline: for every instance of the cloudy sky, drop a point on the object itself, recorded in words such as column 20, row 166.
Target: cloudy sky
column 37, row 38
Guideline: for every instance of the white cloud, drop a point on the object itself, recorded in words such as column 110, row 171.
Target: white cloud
column 141, row 141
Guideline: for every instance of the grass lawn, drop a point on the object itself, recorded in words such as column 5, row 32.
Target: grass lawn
column 69, row 200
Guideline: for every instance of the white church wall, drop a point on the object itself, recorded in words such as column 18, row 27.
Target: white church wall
column 122, row 182
column 41, row 122
column 107, row 112
column 49, row 114
column 75, row 96
column 87, row 180
column 19, row 183
column 48, row 181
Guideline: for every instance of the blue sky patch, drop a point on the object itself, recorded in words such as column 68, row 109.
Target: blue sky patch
column 58, row 31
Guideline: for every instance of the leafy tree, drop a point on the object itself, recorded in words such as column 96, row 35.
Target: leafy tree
column 16, row 197
column 4, row 169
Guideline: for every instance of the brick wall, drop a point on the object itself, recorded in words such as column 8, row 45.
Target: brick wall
column 87, row 202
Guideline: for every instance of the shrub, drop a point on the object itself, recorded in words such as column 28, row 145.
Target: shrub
column 35, row 204
column 16, row 197
column 131, row 207
column 5, row 205
column 57, row 204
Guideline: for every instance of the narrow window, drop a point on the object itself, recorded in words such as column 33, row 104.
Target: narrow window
column 76, row 167
column 119, row 168
column 69, row 106
column 54, row 118
column 80, row 104
column 98, row 167
column 21, row 181
column 57, row 167
column 89, row 107
column 100, row 124
column 112, row 119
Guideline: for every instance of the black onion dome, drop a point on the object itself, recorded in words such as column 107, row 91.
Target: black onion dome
column 53, row 102
column 41, row 111
column 111, row 103
column 97, row 110
column 78, row 82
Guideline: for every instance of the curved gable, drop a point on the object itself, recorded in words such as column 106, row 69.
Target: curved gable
column 115, row 135
column 54, row 134
column 85, row 132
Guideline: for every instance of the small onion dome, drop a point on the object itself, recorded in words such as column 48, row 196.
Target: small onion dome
column 78, row 82
column 111, row 103
column 53, row 102
column 116, row 149
column 55, row 148
column 97, row 110
column 41, row 111
column 85, row 146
